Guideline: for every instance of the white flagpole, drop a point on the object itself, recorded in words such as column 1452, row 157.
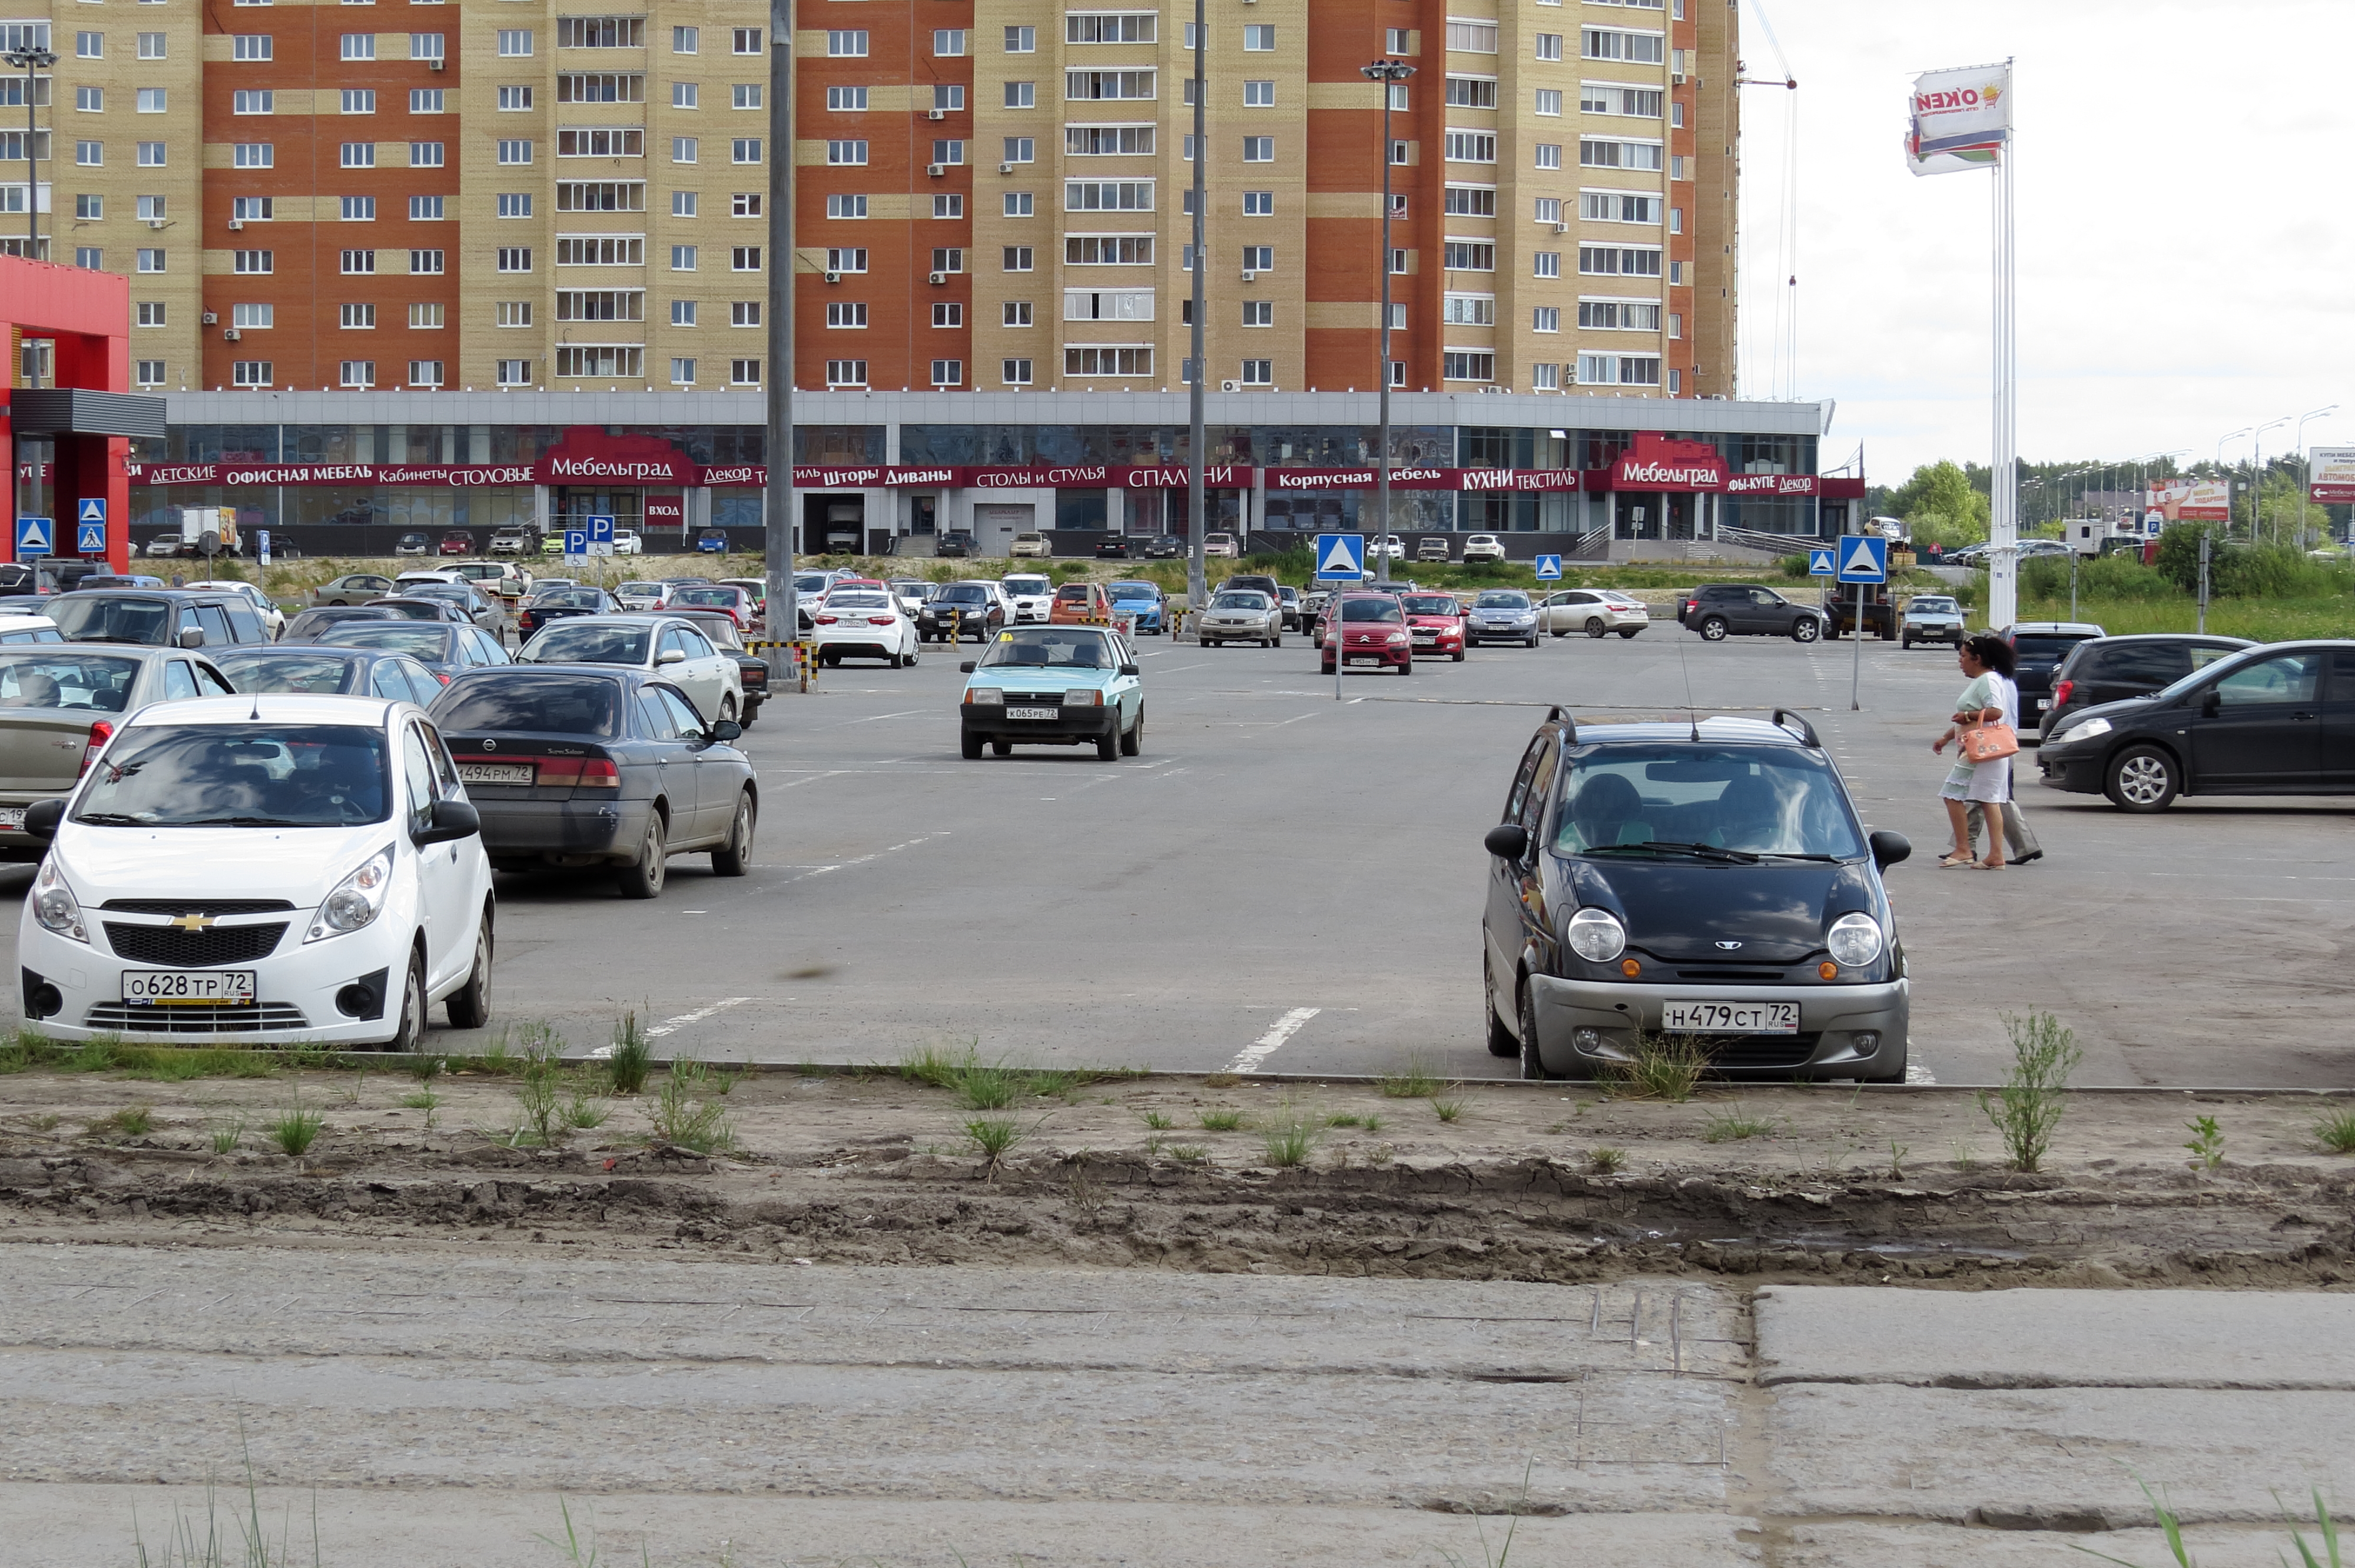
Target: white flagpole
column 2003, row 533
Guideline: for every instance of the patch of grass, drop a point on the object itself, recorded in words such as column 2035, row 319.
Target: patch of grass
column 225, row 1136
column 1371, row 1123
column 100, row 1053
column 1732, row 1126
column 2336, row 1133
column 1415, row 1081
column 2171, row 1525
column 2027, row 1109
column 130, row 1121
column 1223, row 1118
column 1191, row 1153
column 632, row 1057
column 1158, row 1121
column 993, row 1086
column 1897, row 1159
column 993, row 1134
column 1292, row 1136
column 1661, row 1066
column 1449, row 1109
column 425, row 1100
column 584, row 1108
column 2207, row 1145
column 1605, row 1161
column 425, row 1066
column 1343, row 1119
column 179, row 1063
column 684, row 1114
column 535, row 1105
column 294, row 1130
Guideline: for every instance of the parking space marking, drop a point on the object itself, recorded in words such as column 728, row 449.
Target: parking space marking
column 878, row 718
column 673, row 1025
column 862, row 859
column 1261, row 1049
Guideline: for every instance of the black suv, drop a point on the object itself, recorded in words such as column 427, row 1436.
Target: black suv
column 2040, row 646
column 157, row 617
column 1705, row 879
column 955, row 542
column 2112, row 669
column 1718, row 610
column 2276, row 719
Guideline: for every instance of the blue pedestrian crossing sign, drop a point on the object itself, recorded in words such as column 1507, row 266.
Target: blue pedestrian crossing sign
column 1340, row 557
column 576, row 541
column 90, row 539
column 1823, row 561
column 34, row 535
column 1864, row 559
column 1549, row 568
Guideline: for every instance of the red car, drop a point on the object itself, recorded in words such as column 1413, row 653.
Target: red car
column 1435, row 621
column 457, row 542
column 738, row 604
column 1373, row 631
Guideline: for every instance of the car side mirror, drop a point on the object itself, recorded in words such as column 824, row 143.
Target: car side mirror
column 1508, row 841
column 670, row 656
column 451, row 819
column 1889, row 848
column 1130, row 670
column 965, row 668
column 724, row 730
column 192, row 636
column 2211, row 700
column 42, row 817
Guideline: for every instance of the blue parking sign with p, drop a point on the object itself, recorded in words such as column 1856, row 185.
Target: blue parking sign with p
column 1549, row 568
column 1863, row 559
column 600, row 530
column 576, row 541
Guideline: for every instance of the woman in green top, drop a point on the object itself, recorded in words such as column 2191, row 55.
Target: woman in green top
column 1990, row 698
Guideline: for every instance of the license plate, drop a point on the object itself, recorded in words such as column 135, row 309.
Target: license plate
column 1033, row 713
column 2045, row 702
column 12, row 816
column 496, row 772
column 166, row 988
column 1365, row 658
column 1730, row 1017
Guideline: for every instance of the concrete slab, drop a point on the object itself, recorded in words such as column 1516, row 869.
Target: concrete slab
column 2057, row 1339
column 1853, row 1545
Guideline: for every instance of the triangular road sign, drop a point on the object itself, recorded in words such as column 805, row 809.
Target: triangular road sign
column 1341, row 556
column 1823, row 562
column 32, row 536
column 1864, row 559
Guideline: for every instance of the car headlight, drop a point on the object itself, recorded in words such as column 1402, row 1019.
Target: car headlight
column 1084, row 699
column 1395, row 637
column 54, row 904
column 355, row 901
column 1596, row 935
column 2090, row 729
column 1854, row 939
column 984, row 696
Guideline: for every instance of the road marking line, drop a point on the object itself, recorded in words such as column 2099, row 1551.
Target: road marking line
column 673, row 1025
column 1261, row 1049
column 1917, row 1074
column 878, row 718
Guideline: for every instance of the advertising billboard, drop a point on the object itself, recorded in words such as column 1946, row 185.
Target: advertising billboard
column 1957, row 119
column 2331, row 475
column 2190, row 500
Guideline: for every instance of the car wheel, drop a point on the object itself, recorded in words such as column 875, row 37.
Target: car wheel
column 1407, row 668
column 728, row 709
column 1896, row 1077
column 909, row 662
column 734, row 858
column 1594, row 627
column 2142, row 778
column 1457, row 655
column 643, row 878
column 409, row 1033
column 1713, row 630
column 1001, row 749
column 469, row 1006
column 1501, row 1038
column 339, row 603
column 1530, row 641
column 1108, row 743
column 1532, row 1064
column 1210, row 643
column 1806, row 629
column 971, row 745
column 1134, row 741
column 1905, row 644
column 1629, row 631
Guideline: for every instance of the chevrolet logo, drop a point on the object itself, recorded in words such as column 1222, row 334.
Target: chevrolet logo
column 195, row 923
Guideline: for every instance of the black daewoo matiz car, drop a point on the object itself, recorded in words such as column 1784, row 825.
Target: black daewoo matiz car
column 1707, row 879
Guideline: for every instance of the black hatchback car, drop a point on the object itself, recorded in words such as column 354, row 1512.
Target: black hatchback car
column 2276, row 719
column 1706, row 879
column 2040, row 646
column 959, row 610
column 1719, row 611
column 2112, row 669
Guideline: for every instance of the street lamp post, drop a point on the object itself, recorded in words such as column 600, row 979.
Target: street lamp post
column 28, row 60
column 2305, row 476
column 2257, row 472
column 2231, row 436
column 1385, row 74
column 1198, row 437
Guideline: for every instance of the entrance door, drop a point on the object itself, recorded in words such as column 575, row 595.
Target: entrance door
column 572, row 505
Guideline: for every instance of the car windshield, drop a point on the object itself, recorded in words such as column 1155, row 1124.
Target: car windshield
column 1132, row 590
column 1073, row 593
column 1683, row 800
column 964, row 593
column 457, row 593
column 1501, row 599
column 1930, row 606
column 146, row 621
column 572, row 599
column 717, row 596
column 549, row 703
column 573, row 642
column 719, row 628
column 319, row 672
column 2043, row 649
column 1060, row 646
column 1239, row 601
column 240, row 776
column 809, row 582
column 639, row 590
column 1027, row 586
column 1370, row 610
column 83, row 681
column 430, row 643
column 1428, row 606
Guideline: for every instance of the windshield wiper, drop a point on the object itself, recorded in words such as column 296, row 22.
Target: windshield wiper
column 111, row 820
column 243, row 822
column 1794, row 854
column 1699, row 852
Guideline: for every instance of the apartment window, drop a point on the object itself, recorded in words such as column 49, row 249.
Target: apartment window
column 1619, row 315
column 515, row 151
column 425, row 317
column 1549, row 209
column 358, row 373
column 1471, row 92
column 1258, row 373
column 425, row 155
column 89, row 154
column 1019, row 150
column 264, row 102
column 428, row 372
column 90, row 258
column 1468, row 255
column 429, row 100
column 1014, row 313
column 1676, row 324
column 1259, row 95
column 683, row 312
column 1548, row 263
column 1613, row 261
column 744, row 204
column 253, row 156
column 90, row 46
column 1469, row 309
column 847, row 44
column 357, row 208
column 1258, row 312
column 601, row 249
column 1108, row 196
column 838, row 372
column 425, row 262
column 151, row 45
column 1108, row 250
column 682, row 372
column 838, row 99
column 150, row 208
column 1394, row 40
column 601, row 32
column 1099, row 141
column 1120, row 359
column 846, row 258
column 1014, row 372
column 1019, row 203
column 359, row 155
column 358, row 101
column 744, row 95
column 683, row 41
column 515, row 204
column 249, row 373
column 745, row 41
column 1464, row 364
column 747, row 150
column 147, row 371
column 947, row 314
column 1549, row 155
column 1468, row 201
column 1258, row 39
column 243, row 209
column 1471, row 147
column 359, row 262
column 1091, row 85
column 1021, row 95
column 1401, row 261
column 1017, row 258
column 1679, row 167
column 426, row 208
column 1618, row 206
column 1545, row 378
column 1397, row 315
column 151, row 155
column 1258, row 149
column 515, row 99
column 245, row 47
column 425, row 47
column 948, row 151
column 359, row 318
column 948, row 371
column 1256, row 204
column 514, row 372
column 746, row 313
column 250, row 262
column 515, row 43
column 1471, row 38
column 1597, row 154
column 1549, row 46
column 682, row 149
column 621, row 142
column 156, row 100
column 1611, row 44
column 1549, row 100
column 1546, row 318
column 88, row 208
column 836, row 205
column 949, row 206
column 1111, row 28
column 1675, row 220
column 1610, row 98
column 359, row 46
column 852, row 314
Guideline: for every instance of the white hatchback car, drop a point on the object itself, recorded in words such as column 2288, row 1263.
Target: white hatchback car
column 1029, row 596
column 1483, row 548
column 260, row 868
column 865, row 623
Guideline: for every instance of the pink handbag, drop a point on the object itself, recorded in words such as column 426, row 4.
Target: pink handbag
column 1988, row 742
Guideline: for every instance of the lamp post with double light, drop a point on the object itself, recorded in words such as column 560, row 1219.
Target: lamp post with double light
column 30, row 58
column 1386, row 74
column 2304, row 477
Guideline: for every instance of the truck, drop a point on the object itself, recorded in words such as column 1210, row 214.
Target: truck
column 220, row 521
column 1880, row 610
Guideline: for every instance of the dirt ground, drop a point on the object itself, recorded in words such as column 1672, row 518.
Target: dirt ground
column 1523, row 1184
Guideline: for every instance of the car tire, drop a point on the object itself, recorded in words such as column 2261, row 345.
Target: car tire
column 1905, row 644
column 1001, row 749
column 908, row 662
column 1629, row 631
column 1500, row 1037
column 469, row 1007
column 1108, row 743
column 1133, row 742
column 1896, row 1077
column 1713, row 629
column 734, row 858
column 1407, row 668
column 1806, row 629
column 1594, row 627
column 2142, row 778
column 643, row 877
column 728, row 709
column 971, row 746
column 1525, row 1009
column 408, row 1029
column 1457, row 655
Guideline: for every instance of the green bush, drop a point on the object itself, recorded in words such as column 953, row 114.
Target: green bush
column 1794, row 565
column 2103, row 576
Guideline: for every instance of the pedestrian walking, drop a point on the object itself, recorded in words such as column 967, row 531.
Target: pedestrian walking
column 1990, row 698
column 2018, row 838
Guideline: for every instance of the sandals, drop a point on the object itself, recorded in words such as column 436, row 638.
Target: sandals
column 1959, row 859
column 1990, row 864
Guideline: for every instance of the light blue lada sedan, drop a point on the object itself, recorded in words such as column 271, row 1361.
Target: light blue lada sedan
column 1054, row 685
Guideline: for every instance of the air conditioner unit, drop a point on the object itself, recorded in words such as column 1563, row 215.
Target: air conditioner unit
column 936, row 170
column 1250, row 276
column 1005, row 168
column 1561, row 228
column 1230, row 385
column 936, row 114
column 433, row 65
column 1676, row 78
column 209, row 317
column 940, row 276
column 231, row 336
column 834, row 277
column 235, row 223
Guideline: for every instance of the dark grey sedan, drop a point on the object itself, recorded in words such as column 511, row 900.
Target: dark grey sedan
column 579, row 765
column 332, row 672
column 445, row 647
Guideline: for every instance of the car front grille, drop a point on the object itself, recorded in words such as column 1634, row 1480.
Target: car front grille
column 171, row 947
column 197, row 1018
column 195, row 906
column 1762, row 1051
column 1752, row 977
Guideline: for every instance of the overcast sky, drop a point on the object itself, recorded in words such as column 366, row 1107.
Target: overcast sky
column 2187, row 254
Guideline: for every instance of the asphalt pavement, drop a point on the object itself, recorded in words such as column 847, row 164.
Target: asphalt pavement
column 1283, row 882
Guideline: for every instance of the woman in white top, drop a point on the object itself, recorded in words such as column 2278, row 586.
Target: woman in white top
column 1990, row 698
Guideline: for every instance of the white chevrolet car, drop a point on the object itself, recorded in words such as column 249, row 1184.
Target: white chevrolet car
column 1029, row 596
column 260, row 869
